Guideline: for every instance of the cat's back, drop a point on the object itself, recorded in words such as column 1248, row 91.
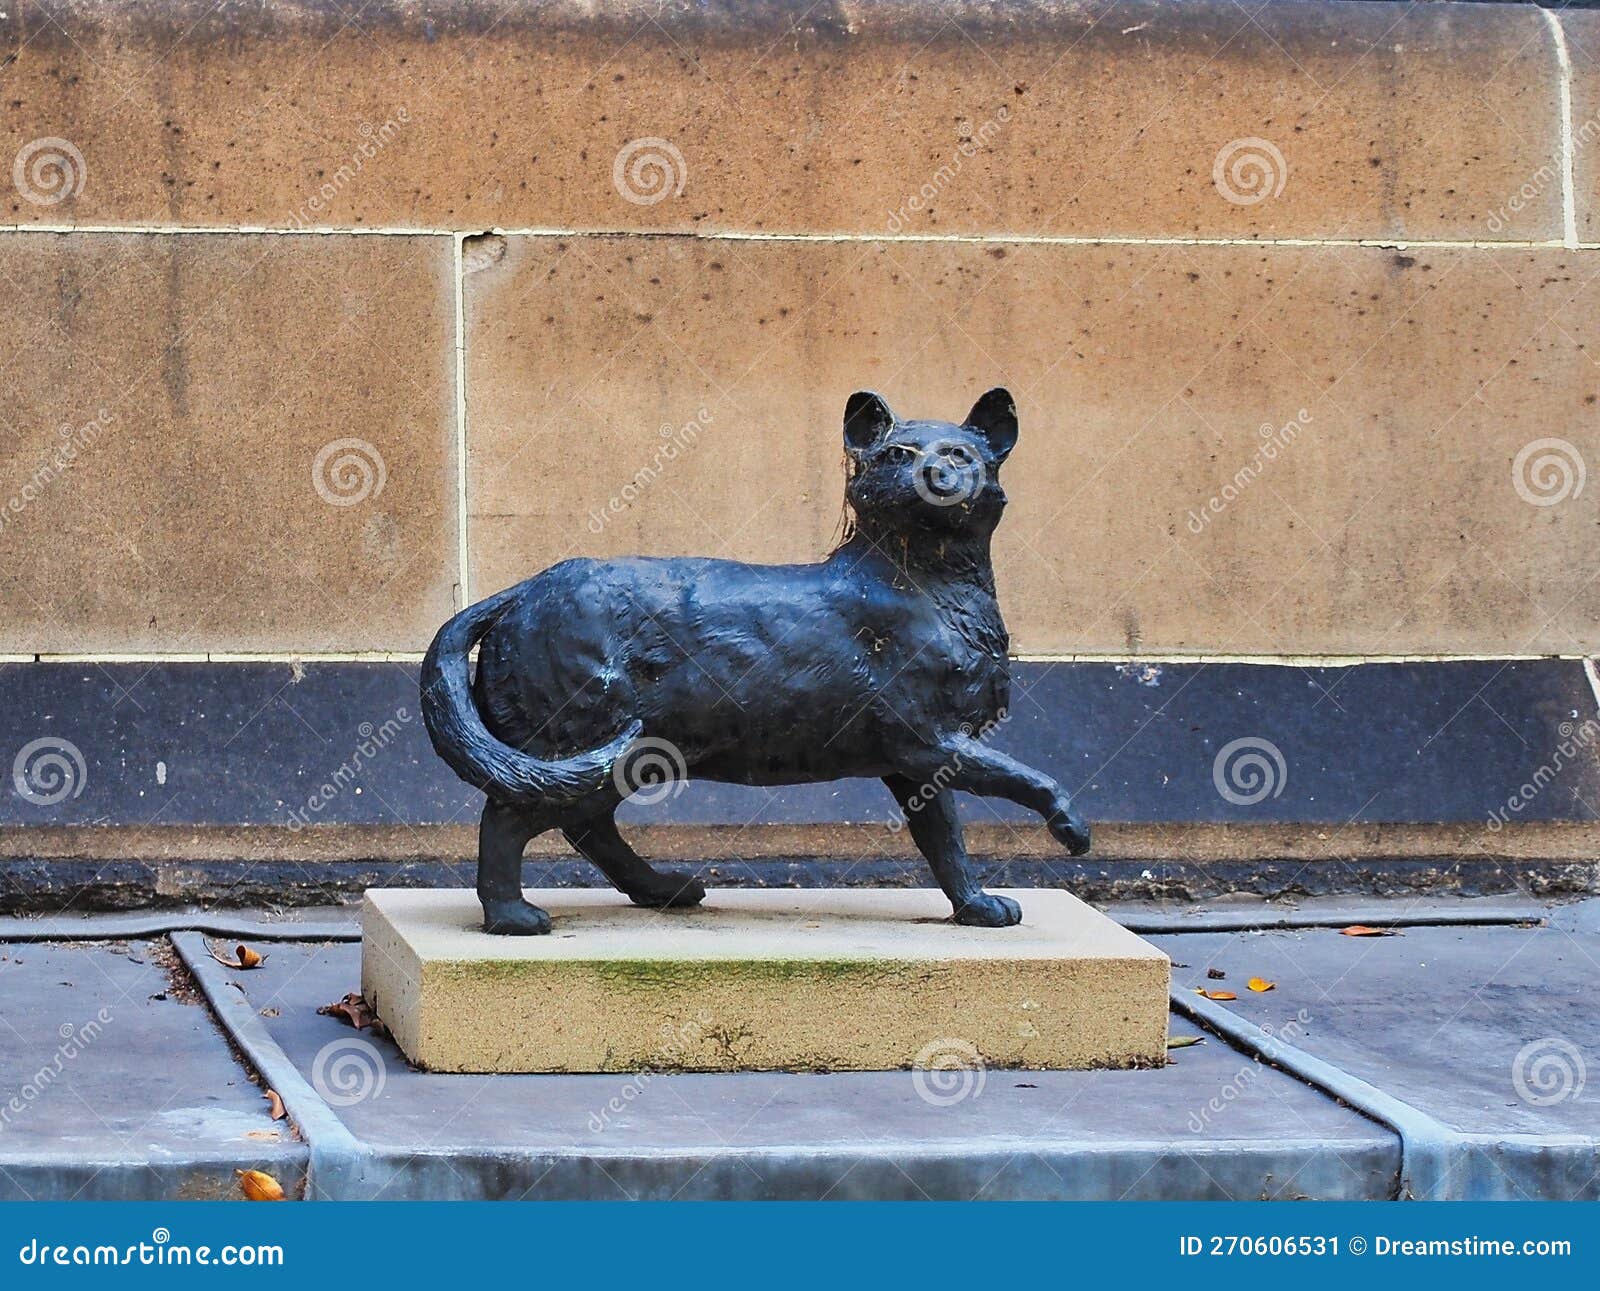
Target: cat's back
column 670, row 585
column 589, row 641
column 601, row 604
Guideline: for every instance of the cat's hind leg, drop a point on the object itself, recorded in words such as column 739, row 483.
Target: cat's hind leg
column 502, row 834
column 936, row 830
column 594, row 833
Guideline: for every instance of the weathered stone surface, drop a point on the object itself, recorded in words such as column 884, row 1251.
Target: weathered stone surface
column 1355, row 413
column 761, row 981
column 910, row 116
column 226, row 443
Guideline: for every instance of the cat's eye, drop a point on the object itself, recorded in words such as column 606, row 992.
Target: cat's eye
column 900, row 452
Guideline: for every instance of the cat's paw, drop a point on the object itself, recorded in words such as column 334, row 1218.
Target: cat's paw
column 668, row 890
column 986, row 910
column 1069, row 829
column 515, row 919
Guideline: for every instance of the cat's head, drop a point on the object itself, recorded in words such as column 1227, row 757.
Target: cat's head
column 927, row 474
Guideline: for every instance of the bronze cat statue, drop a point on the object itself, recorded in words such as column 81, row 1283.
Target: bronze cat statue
column 887, row 659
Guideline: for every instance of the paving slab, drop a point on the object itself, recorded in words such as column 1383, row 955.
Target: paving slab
column 960, row 1133
column 1490, row 1031
column 1469, row 1046
column 115, row 1084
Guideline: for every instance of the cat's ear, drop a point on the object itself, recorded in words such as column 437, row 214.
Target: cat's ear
column 994, row 417
column 867, row 419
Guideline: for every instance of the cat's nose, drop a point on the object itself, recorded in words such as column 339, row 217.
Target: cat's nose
column 954, row 474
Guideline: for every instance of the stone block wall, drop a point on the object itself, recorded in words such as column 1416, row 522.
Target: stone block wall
column 322, row 320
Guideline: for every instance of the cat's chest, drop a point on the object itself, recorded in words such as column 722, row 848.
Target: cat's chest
column 934, row 636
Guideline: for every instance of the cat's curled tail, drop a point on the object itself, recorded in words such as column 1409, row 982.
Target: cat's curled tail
column 459, row 736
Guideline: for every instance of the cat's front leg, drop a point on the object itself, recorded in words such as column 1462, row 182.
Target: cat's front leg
column 931, row 815
column 966, row 763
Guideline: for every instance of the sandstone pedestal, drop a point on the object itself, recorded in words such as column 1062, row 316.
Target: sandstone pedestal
column 762, row 980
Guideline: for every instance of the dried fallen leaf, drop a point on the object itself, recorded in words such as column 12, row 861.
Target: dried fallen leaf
column 353, row 1009
column 258, row 1185
column 275, row 1105
column 1361, row 930
column 1261, row 984
column 1216, row 995
column 243, row 957
column 1215, row 974
column 1184, row 1041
